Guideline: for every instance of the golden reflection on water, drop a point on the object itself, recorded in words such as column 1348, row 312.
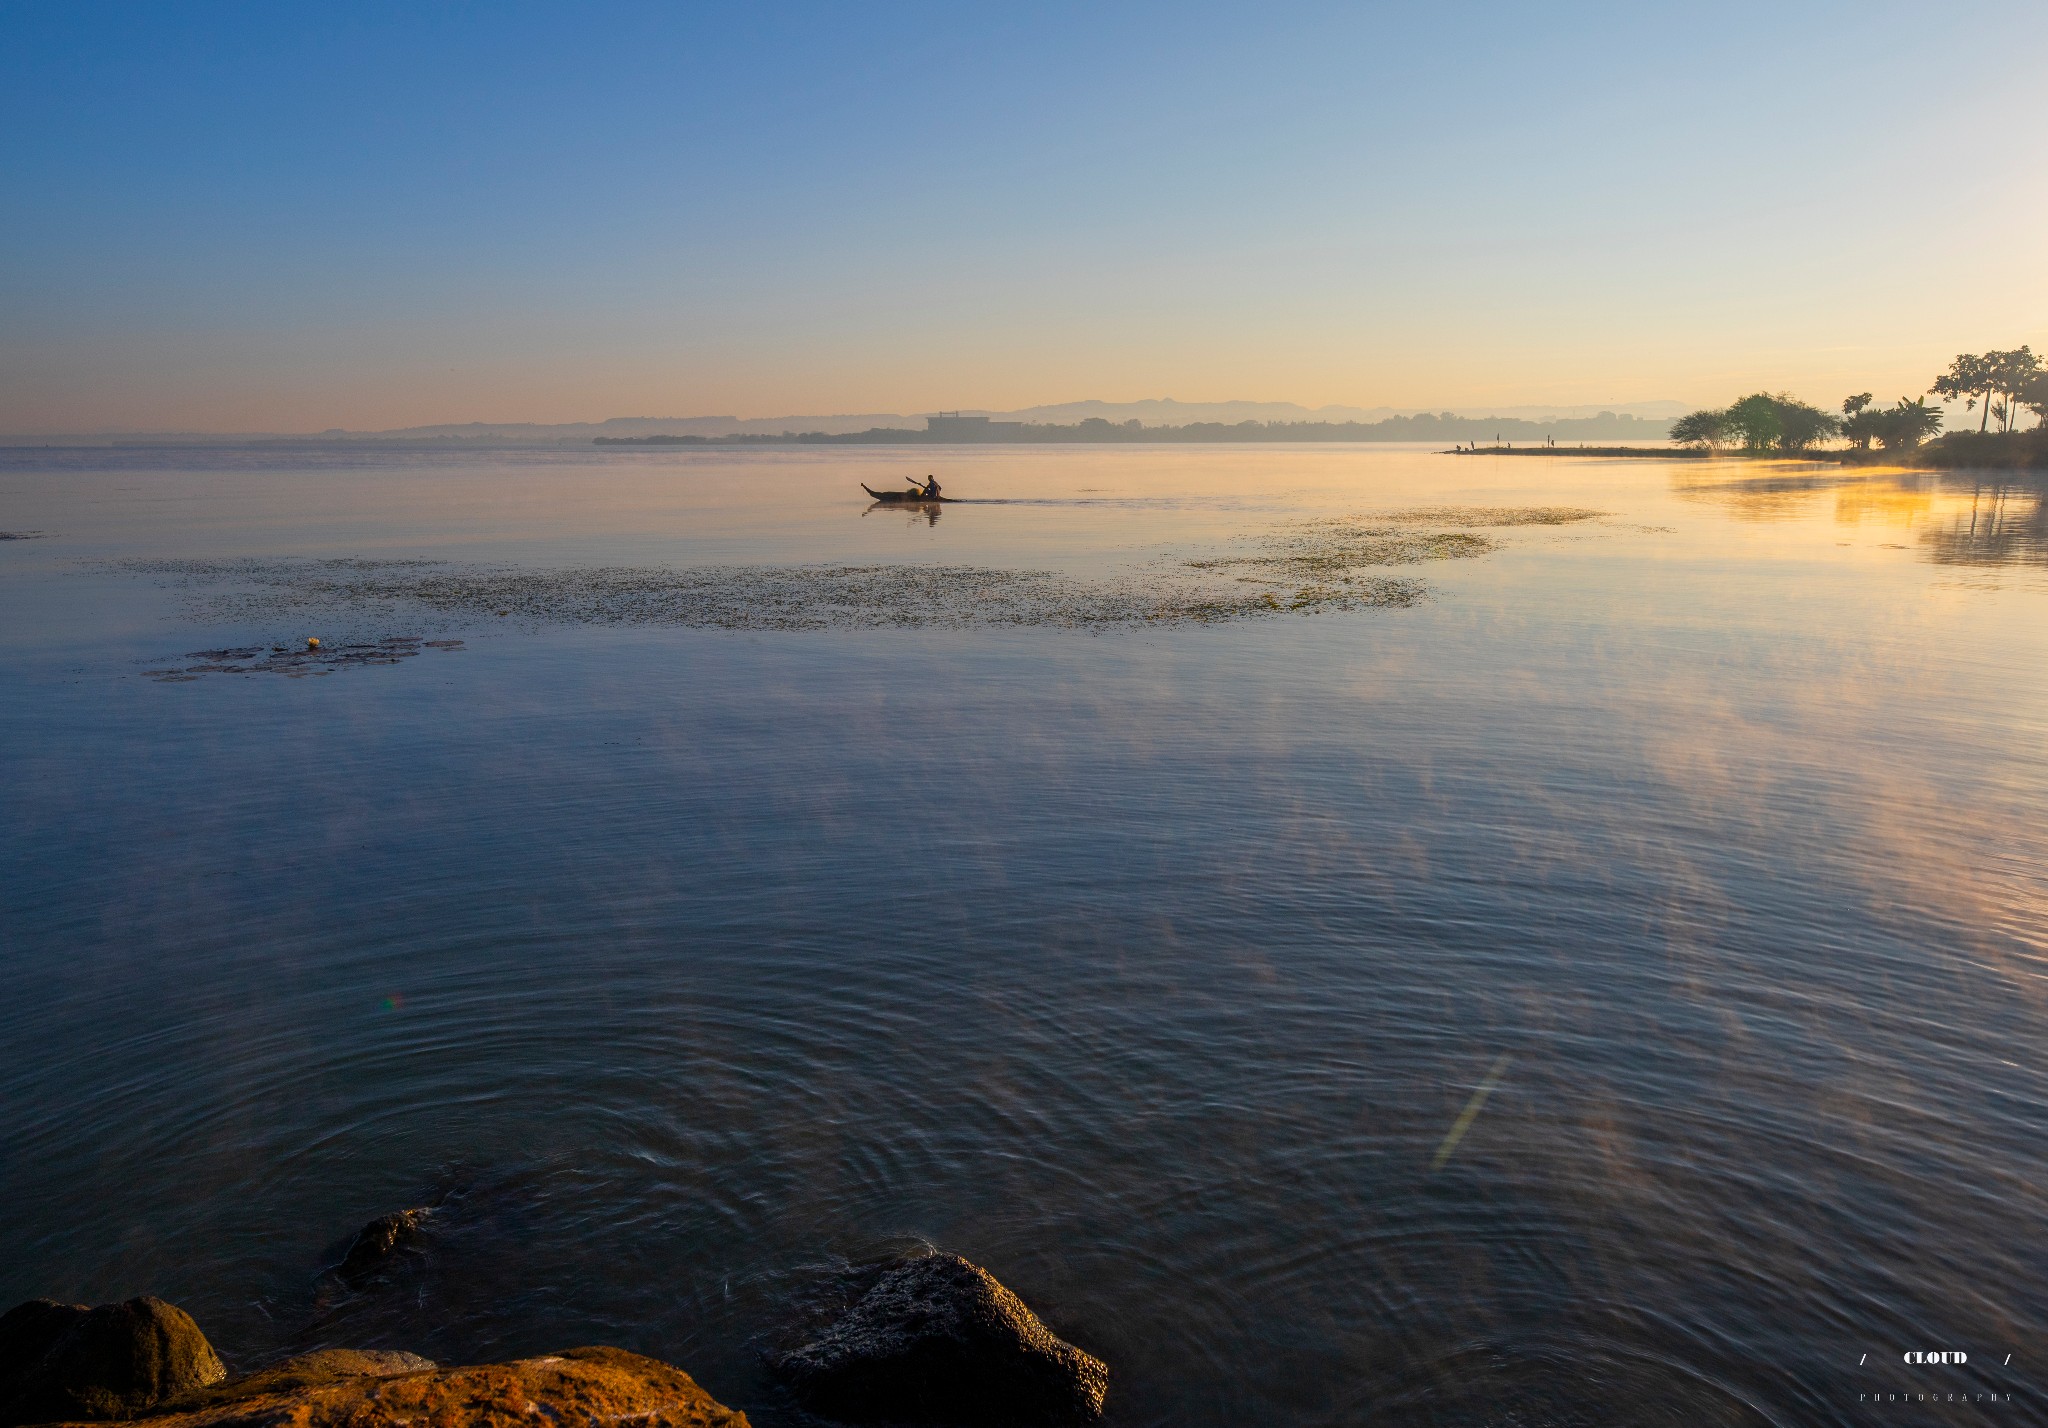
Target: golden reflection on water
column 1952, row 518
column 1728, row 864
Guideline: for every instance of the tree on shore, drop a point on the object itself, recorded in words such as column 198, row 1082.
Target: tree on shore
column 1859, row 424
column 1754, row 421
column 1997, row 379
column 1908, row 424
column 2033, row 395
column 1801, row 425
column 1764, row 422
column 1702, row 428
column 1761, row 422
column 1967, row 379
column 2005, row 382
column 1902, row 427
column 2018, row 372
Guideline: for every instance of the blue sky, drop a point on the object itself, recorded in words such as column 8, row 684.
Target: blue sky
column 296, row 217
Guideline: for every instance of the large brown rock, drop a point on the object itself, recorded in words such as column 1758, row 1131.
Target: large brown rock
column 294, row 1375
column 579, row 1387
column 67, row 1361
column 937, row 1339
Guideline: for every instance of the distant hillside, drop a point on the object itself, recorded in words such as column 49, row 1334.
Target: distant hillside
column 1161, row 412
column 1165, row 411
column 1434, row 427
column 1157, row 412
column 631, row 426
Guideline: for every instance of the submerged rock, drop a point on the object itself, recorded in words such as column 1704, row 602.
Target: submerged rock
column 579, row 1386
column 62, row 1361
column 937, row 1339
column 377, row 1241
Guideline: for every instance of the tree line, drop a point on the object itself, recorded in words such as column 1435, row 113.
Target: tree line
column 1423, row 426
column 2001, row 382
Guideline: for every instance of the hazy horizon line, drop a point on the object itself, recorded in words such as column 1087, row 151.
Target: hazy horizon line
column 1182, row 412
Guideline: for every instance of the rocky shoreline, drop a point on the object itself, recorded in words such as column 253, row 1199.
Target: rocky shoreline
column 925, row 1339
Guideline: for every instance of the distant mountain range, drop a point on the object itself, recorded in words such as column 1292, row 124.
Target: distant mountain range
column 1165, row 411
column 1160, row 411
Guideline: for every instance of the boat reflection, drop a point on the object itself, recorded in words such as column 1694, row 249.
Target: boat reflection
column 929, row 510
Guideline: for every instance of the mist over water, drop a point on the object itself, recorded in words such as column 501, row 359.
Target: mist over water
column 1151, row 967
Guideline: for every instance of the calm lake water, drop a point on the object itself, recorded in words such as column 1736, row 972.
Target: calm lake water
column 1152, row 967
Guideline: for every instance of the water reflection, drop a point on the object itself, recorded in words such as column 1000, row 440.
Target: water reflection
column 2007, row 524
column 1720, row 880
column 1750, row 493
column 929, row 510
column 1954, row 517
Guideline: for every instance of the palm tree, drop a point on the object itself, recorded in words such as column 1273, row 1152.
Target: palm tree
column 1908, row 424
column 2011, row 373
column 1988, row 376
column 1969, row 376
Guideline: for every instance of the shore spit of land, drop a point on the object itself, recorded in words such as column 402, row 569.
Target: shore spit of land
column 1957, row 451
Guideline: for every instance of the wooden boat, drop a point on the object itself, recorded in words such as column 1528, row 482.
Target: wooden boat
column 903, row 498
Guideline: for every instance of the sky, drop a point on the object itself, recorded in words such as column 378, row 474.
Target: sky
column 294, row 218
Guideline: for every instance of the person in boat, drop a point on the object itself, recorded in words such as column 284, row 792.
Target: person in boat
column 930, row 490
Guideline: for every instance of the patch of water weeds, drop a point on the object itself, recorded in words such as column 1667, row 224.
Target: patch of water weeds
column 805, row 597
column 1307, row 567
column 1320, row 564
column 1469, row 517
column 295, row 662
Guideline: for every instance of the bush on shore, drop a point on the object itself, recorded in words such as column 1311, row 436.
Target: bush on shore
column 1987, row 450
column 2003, row 383
column 1759, row 422
column 1903, row 427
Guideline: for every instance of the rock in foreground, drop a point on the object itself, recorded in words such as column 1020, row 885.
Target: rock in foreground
column 580, row 1386
column 67, row 1361
column 937, row 1339
column 295, row 1375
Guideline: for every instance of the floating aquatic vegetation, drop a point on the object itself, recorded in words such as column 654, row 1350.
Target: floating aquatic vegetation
column 1306, row 567
column 784, row 597
column 1323, row 562
column 1470, row 516
column 21, row 535
column 295, row 662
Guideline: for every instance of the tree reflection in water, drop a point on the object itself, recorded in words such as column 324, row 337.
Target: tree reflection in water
column 2007, row 524
column 1955, row 517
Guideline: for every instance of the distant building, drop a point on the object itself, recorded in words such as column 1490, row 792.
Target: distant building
column 951, row 426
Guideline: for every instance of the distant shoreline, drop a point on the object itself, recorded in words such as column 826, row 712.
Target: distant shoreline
column 1962, row 450
column 1661, row 453
column 976, row 431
